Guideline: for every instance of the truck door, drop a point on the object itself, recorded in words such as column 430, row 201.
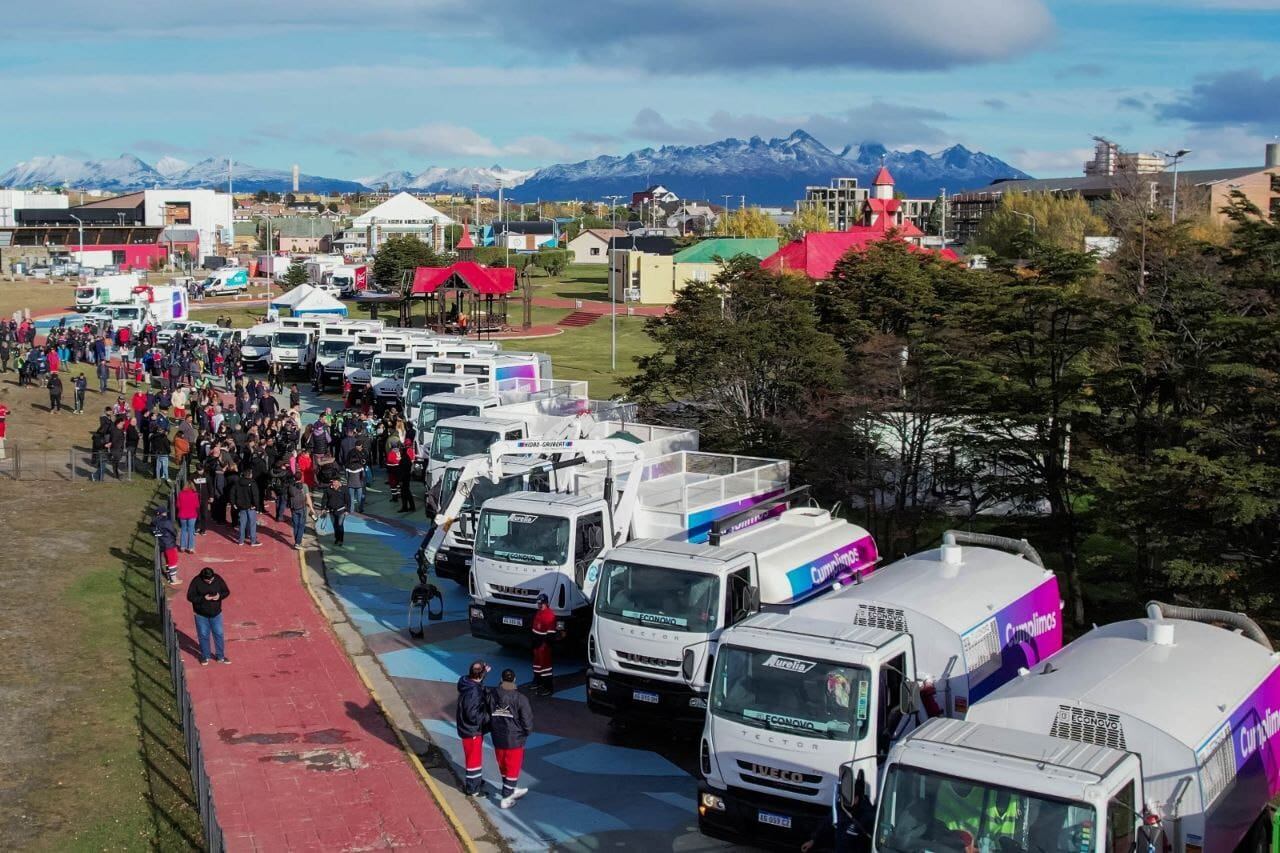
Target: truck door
column 1122, row 819
column 888, row 707
column 588, row 542
column 738, row 604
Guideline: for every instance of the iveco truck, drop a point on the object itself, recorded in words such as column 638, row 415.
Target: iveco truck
column 532, row 544
column 795, row 696
column 660, row 606
column 1157, row 734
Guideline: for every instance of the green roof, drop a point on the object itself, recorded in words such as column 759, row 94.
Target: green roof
column 301, row 226
column 244, row 229
column 707, row 251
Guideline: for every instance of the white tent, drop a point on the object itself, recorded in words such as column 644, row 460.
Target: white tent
column 318, row 302
column 290, row 298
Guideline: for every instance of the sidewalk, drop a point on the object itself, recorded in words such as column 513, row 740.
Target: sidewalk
column 298, row 753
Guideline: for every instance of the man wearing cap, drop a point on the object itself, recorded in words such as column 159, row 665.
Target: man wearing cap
column 511, row 722
column 206, row 593
column 473, row 721
column 544, row 631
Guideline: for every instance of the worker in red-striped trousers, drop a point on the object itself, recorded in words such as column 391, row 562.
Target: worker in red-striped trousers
column 544, row 631
column 472, row 722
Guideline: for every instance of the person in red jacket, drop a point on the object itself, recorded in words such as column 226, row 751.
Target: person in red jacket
column 4, row 415
column 544, row 631
column 188, row 505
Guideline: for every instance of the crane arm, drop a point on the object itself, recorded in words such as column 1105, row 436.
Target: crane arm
column 591, row 449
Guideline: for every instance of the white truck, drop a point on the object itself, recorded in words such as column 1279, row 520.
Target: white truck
column 106, row 290
column 255, row 348
column 661, row 606
column 483, row 397
column 1150, row 734
column 495, row 368
column 462, row 491
column 530, row 544
column 795, row 696
column 350, row 279
column 146, row 305
column 293, row 349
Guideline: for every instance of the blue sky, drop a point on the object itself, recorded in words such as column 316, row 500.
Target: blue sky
column 350, row 88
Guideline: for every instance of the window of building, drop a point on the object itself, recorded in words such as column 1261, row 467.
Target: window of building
column 595, row 250
column 177, row 213
column 1275, row 182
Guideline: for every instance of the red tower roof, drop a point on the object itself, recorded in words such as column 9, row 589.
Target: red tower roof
column 882, row 178
column 465, row 241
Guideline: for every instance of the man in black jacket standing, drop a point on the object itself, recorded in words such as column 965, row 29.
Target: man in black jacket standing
column 472, row 722
column 55, row 392
column 245, row 498
column 206, row 593
column 510, row 724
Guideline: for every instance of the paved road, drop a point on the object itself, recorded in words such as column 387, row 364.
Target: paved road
column 591, row 786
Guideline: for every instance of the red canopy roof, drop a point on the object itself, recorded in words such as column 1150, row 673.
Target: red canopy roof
column 816, row 255
column 488, row 281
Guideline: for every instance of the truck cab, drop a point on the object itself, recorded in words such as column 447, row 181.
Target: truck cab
column 358, row 362
column 386, row 375
column 255, row 349
column 331, row 354
column 291, row 348
column 837, row 680
column 420, row 386
column 661, row 606
column 459, row 437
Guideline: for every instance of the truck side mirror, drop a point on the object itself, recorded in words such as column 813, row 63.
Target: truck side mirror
column 751, row 600
column 909, row 698
column 687, row 662
column 852, row 788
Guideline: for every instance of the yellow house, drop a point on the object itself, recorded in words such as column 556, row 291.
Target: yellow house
column 652, row 273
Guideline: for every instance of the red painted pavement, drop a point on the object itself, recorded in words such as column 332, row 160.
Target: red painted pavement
column 298, row 754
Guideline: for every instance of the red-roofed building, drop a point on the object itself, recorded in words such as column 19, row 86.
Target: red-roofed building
column 465, row 296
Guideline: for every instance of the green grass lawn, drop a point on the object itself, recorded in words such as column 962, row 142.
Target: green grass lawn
column 583, row 353
column 578, row 281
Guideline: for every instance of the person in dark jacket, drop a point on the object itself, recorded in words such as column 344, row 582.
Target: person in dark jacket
column 166, row 534
column 472, row 718
column 334, row 502
column 206, row 593
column 55, row 392
column 510, row 724
column 245, row 498
column 80, row 386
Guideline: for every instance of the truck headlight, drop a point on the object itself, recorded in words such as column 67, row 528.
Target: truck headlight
column 711, row 801
column 477, row 613
column 598, row 684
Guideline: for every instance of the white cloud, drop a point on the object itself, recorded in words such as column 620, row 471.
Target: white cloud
column 441, row 140
column 1059, row 163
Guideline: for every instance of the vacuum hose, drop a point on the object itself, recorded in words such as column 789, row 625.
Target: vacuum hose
column 1017, row 546
column 1159, row 610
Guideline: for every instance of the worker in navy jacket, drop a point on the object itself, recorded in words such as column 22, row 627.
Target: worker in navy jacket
column 511, row 723
column 473, row 722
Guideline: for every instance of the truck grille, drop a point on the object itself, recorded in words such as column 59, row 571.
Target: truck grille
column 644, row 663
column 793, row 781
column 1084, row 725
column 512, row 593
column 875, row 616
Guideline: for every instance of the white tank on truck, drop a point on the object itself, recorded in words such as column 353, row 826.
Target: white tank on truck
column 660, row 606
column 467, row 483
column 528, row 544
column 105, row 290
column 1161, row 731
column 795, row 696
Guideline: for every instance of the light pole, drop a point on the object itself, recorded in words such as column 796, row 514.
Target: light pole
column 1027, row 216
column 1176, row 156
column 80, row 223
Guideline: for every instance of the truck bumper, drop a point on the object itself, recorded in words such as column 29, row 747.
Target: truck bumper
column 753, row 818
column 510, row 625
column 453, row 564
column 628, row 697
column 254, row 362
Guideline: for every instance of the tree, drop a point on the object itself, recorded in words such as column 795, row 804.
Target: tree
column 290, row 198
column 748, row 222
column 933, row 225
column 1059, row 221
column 397, row 258
column 333, row 207
column 1018, row 363
column 553, row 261
column 260, row 196
column 294, row 276
column 743, row 353
column 808, row 219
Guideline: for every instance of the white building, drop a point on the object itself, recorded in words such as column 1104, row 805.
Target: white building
column 207, row 212
column 403, row 214
column 14, row 200
column 592, row 245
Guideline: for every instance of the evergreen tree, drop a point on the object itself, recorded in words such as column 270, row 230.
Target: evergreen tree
column 397, row 258
column 294, row 276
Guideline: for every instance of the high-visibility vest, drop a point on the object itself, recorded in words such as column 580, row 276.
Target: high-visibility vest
column 959, row 811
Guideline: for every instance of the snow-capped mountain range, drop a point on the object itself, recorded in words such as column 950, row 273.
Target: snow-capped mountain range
column 767, row 172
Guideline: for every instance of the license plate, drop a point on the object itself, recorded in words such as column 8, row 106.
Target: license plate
column 645, row 696
column 513, row 620
column 775, row 820
column 466, row 562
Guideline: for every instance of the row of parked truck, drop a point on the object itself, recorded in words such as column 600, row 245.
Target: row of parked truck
column 708, row 589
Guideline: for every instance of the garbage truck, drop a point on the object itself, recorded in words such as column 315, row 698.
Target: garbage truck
column 529, row 544
column 660, row 606
column 467, row 483
column 1149, row 734
column 797, row 695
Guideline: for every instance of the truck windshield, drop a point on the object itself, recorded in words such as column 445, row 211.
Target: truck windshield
column 483, row 489
column 791, row 693
column 257, row 341
column 333, row 349
column 920, row 810
column 430, row 413
column 360, row 359
column 519, row 537
column 453, row 442
column 653, row 595
column 86, row 292
column 289, row 339
column 384, row 367
column 418, row 390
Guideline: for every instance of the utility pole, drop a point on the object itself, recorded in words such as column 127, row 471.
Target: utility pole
column 1176, row 156
column 942, row 231
column 726, row 197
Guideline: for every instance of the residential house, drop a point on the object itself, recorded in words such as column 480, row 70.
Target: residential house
column 304, row 235
column 656, row 194
column 591, row 246
column 641, row 269
column 701, row 261
column 693, row 217
column 522, row 235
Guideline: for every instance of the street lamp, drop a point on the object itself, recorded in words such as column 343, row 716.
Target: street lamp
column 1027, row 216
column 80, row 223
column 1175, row 156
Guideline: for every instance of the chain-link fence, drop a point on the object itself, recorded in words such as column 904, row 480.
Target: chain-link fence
column 186, row 711
column 25, row 462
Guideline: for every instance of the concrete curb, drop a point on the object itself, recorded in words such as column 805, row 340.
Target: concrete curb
column 473, row 829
